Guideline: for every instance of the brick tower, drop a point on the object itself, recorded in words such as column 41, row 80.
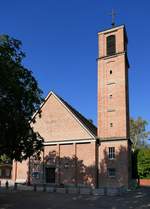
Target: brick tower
column 113, row 108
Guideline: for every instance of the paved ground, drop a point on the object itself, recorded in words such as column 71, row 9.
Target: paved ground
column 139, row 199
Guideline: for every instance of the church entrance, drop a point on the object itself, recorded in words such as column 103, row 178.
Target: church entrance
column 50, row 175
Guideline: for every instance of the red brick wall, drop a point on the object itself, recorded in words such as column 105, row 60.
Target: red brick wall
column 57, row 123
column 86, row 164
column 120, row 163
column 115, row 109
column 74, row 164
column 80, row 162
column 144, row 182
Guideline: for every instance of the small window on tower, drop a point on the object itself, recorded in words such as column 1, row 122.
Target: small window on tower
column 110, row 72
column 111, row 45
column 111, row 124
column 110, row 96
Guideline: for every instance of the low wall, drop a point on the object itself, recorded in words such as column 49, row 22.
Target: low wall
column 144, row 182
column 81, row 191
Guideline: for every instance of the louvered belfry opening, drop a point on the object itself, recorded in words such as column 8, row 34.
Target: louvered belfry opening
column 111, row 45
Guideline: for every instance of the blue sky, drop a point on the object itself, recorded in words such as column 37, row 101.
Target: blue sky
column 60, row 41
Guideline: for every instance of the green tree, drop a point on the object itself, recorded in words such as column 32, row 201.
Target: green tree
column 4, row 159
column 138, row 133
column 143, row 163
column 20, row 97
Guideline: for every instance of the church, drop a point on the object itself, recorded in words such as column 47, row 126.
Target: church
column 75, row 152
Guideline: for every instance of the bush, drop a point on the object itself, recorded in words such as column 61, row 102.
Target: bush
column 143, row 163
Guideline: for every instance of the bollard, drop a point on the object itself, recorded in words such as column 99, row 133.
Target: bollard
column 15, row 186
column 34, row 188
column 7, row 185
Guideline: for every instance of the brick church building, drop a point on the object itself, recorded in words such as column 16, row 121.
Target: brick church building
column 75, row 152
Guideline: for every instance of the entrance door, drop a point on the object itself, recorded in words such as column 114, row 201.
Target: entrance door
column 50, row 175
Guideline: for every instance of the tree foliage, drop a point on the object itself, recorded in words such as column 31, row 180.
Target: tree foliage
column 20, row 97
column 138, row 133
column 5, row 159
column 143, row 163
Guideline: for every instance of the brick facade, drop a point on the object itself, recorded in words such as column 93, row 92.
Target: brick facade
column 113, row 109
column 113, row 88
column 66, row 148
column 74, row 154
column 55, row 122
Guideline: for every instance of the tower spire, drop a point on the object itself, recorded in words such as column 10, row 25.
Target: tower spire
column 113, row 15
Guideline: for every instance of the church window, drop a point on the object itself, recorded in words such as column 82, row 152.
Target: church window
column 111, row 172
column 110, row 72
column 111, row 153
column 111, row 45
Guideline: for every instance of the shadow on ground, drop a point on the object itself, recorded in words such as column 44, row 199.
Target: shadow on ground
column 138, row 199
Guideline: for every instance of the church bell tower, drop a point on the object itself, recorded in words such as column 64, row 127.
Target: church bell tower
column 113, row 110
column 113, row 106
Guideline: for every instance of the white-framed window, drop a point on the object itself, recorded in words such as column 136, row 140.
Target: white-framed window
column 111, row 153
column 111, row 172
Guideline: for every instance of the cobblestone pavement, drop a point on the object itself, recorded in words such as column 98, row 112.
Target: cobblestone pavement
column 138, row 199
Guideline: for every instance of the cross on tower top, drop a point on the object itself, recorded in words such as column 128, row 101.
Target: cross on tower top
column 113, row 14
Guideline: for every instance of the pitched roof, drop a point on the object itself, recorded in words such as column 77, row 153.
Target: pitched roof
column 85, row 122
